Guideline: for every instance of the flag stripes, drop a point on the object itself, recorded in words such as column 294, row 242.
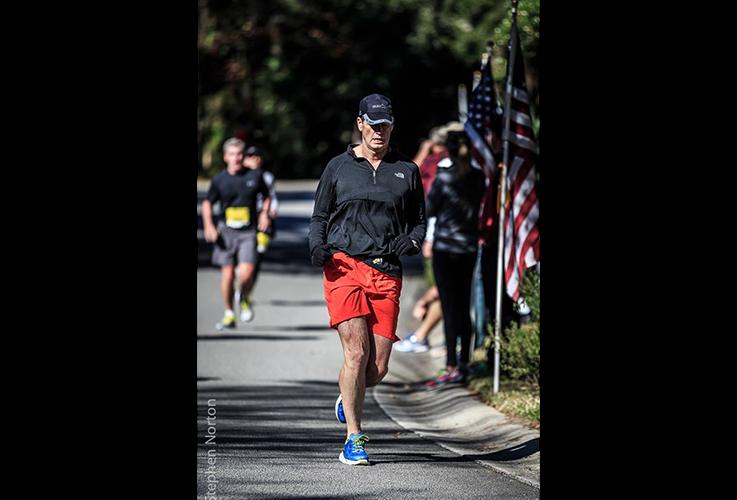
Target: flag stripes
column 521, row 233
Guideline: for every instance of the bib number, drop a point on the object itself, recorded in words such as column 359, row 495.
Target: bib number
column 237, row 217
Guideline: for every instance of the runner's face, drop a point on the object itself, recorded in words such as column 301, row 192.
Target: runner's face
column 233, row 157
column 375, row 137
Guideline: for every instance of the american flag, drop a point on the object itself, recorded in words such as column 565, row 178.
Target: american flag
column 521, row 235
column 484, row 118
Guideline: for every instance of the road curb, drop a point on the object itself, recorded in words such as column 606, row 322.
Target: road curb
column 451, row 416
column 498, row 437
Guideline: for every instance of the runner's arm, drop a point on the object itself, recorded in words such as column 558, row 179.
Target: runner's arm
column 324, row 204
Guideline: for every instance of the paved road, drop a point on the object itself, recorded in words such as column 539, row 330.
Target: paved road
column 268, row 389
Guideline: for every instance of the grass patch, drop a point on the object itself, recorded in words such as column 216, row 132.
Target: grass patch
column 517, row 399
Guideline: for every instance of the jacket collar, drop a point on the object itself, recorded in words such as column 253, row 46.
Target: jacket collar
column 389, row 154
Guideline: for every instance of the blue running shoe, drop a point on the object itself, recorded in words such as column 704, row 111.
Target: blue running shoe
column 353, row 452
column 339, row 409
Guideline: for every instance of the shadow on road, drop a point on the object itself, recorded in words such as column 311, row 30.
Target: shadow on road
column 252, row 419
column 295, row 328
column 296, row 303
column 256, row 337
column 513, row 453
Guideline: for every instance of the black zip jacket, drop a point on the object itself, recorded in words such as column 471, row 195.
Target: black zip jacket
column 359, row 210
column 455, row 201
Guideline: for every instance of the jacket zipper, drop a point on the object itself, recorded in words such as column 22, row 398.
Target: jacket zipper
column 374, row 174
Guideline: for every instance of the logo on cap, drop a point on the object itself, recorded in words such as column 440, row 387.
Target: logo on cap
column 376, row 108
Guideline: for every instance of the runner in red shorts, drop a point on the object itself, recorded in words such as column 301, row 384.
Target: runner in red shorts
column 369, row 211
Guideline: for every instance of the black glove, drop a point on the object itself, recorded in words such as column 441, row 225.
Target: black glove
column 220, row 242
column 404, row 245
column 320, row 255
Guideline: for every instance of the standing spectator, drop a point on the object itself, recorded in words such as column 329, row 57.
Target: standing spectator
column 427, row 309
column 454, row 200
column 431, row 151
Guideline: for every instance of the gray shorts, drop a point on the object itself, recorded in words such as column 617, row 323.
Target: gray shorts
column 234, row 246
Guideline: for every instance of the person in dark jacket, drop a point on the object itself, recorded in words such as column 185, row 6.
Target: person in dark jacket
column 369, row 211
column 454, row 202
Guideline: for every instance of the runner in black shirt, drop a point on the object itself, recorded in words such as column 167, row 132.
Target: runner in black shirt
column 369, row 211
column 235, row 236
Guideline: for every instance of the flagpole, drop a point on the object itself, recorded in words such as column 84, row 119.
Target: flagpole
column 479, row 305
column 462, row 103
column 503, row 192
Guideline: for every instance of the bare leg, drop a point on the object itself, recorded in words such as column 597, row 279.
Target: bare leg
column 378, row 363
column 432, row 318
column 256, row 269
column 245, row 277
column 355, row 337
column 226, row 285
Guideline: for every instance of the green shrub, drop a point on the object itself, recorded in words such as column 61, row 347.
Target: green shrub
column 515, row 398
column 520, row 349
column 530, row 290
column 520, row 352
column 520, row 344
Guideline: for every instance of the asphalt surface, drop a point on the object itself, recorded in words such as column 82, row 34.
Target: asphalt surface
column 266, row 392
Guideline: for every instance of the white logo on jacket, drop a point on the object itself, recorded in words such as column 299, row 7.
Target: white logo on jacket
column 399, row 174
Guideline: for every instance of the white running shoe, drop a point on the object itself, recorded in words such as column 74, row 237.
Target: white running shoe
column 411, row 343
column 246, row 310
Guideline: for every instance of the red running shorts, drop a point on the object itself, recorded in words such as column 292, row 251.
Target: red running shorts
column 354, row 289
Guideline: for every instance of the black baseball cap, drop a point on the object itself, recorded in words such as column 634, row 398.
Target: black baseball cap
column 376, row 108
column 253, row 151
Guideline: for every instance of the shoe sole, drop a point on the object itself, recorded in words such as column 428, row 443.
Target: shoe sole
column 221, row 327
column 346, row 461
column 410, row 348
column 337, row 402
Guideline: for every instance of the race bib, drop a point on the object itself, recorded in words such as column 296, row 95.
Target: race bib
column 237, row 217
